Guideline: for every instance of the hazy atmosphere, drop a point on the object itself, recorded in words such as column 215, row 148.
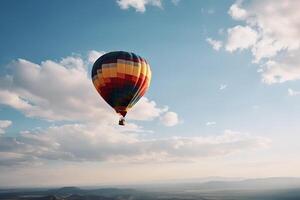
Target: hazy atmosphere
column 223, row 100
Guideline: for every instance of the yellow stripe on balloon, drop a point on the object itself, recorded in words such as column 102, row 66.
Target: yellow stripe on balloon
column 128, row 69
column 113, row 71
column 144, row 69
column 105, row 72
column 121, row 68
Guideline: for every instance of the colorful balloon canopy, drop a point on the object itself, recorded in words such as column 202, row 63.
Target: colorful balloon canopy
column 121, row 78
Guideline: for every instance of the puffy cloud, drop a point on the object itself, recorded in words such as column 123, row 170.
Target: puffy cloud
column 53, row 90
column 145, row 110
column 138, row 5
column 278, row 21
column 265, row 48
column 3, row 125
column 282, row 69
column 170, row 119
column 292, row 92
column 240, row 37
column 236, row 12
column 63, row 90
column 216, row 44
column 276, row 43
column 13, row 100
column 79, row 143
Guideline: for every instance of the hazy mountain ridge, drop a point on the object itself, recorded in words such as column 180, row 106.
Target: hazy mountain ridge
column 249, row 184
column 69, row 193
column 256, row 189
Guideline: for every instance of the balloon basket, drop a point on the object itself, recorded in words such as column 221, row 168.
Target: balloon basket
column 122, row 121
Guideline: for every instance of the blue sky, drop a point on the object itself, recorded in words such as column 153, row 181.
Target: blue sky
column 222, row 101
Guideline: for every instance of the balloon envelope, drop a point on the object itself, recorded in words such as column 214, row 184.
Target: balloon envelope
column 121, row 78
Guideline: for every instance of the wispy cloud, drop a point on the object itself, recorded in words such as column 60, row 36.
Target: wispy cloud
column 210, row 123
column 209, row 11
column 93, row 55
column 175, row 2
column 222, row 87
column 138, row 5
column 216, row 44
column 4, row 124
column 80, row 143
column 292, row 92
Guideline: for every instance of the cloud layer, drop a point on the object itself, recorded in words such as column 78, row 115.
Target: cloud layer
column 78, row 142
column 62, row 91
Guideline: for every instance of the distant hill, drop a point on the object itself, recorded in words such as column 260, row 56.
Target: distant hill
column 65, row 191
column 225, row 184
column 256, row 189
column 68, row 193
column 250, row 184
column 87, row 197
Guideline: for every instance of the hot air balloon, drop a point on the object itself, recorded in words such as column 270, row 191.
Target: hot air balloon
column 121, row 78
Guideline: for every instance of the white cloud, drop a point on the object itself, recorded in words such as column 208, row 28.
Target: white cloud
column 93, row 55
column 170, row 119
column 10, row 159
column 210, row 123
column 292, row 92
column 222, row 87
column 278, row 21
column 80, row 143
column 63, row 91
column 138, row 5
column 276, row 45
column 145, row 110
column 53, row 90
column 236, row 12
column 3, row 125
column 216, row 44
column 13, row 100
column 240, row 37
column 282, row 69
